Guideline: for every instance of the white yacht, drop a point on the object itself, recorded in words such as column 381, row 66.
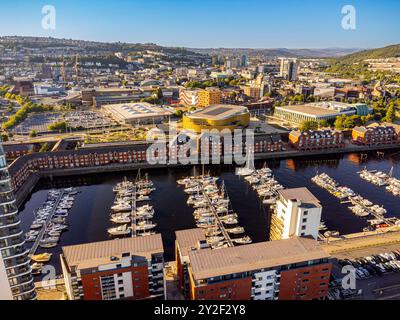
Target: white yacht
column 120, row 230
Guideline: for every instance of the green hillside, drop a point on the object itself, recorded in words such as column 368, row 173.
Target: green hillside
column 380, row 53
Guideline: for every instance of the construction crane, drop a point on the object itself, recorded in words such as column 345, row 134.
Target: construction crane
column 76, row 69
column 63, row 73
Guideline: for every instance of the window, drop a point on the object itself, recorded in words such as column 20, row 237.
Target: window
column 305, row 213
column 303, row 228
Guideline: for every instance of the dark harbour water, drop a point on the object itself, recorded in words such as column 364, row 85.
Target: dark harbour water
column 89, row 217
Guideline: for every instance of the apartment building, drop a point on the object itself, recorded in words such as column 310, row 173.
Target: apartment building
column 186, row 241
column 189, row 97
column 298, row 213
column 252, row 91
column 208, row 97
column 291, row 269
column 16, row 281
column 130, row 268
column 316, row 140
column 289, row 69
column 375, row 135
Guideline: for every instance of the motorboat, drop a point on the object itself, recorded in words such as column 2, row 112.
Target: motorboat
column 229, row 216
column 215, row 239
column 230, row 221
column 142, row 198
column 237, row 230
column 144, row 225
column 37, row 268
column 244, row 240
column 50, row 242
column 42, row 257
column 120, row 230
column 212, row 233
column 121, row 206
column 120, row 219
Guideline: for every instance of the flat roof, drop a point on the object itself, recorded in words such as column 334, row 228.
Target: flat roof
column 132, row 111
column 92, row 255
column 188, row 239
column 300, row 194
column 218, row 112
column 208, row 263
column 309, row 110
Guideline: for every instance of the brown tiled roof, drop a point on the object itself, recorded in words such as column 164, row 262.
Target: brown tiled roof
column 188, row 239
column 91, row 255
column 208, row 263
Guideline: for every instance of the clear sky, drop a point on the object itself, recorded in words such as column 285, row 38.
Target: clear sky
column 210, row 23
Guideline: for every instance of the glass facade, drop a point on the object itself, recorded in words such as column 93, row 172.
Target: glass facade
column 12, row 240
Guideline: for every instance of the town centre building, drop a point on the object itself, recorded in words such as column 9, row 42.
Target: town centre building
column 320, row 111
column 136, row 113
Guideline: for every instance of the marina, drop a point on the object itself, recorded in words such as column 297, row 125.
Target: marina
column 50, row 221
column 126, row 215
column 89, row 218
column 213, row 211
column 382, row 179
column 361, row 207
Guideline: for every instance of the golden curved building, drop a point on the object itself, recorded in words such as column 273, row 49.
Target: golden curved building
column 219, row 117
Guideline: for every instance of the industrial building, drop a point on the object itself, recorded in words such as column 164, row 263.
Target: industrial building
column 292, row 269
column 320, row 111
column 298, row 213
column 217, row 117
column 130, row 268
column 136, row 113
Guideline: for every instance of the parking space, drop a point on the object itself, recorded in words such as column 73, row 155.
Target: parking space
column 377, row 277
column 38, row 122
column 88, row 120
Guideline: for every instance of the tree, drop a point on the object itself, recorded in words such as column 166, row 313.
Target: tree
column 309, row 125
column 391, row 114
column 33, row 134
column 178, row 113
column 323, row 124
column 58, row 126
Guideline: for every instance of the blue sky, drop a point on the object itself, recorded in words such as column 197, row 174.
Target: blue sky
column 210, row 23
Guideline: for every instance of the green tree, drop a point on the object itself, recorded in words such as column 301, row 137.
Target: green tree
column 391, row 113
column 33, row 134
column 323, row 124
column 309, row 125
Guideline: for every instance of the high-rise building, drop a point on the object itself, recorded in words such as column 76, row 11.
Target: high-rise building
column 16, row 281
column 243, row 61
column 131, row 268
column 298, row 213
column 289, row 69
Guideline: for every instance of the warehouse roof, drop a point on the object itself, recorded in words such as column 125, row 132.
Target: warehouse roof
column 208, row 263
column 91, row 255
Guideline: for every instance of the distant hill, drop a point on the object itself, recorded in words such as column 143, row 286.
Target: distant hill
column 381, row 53
column 279, row 52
